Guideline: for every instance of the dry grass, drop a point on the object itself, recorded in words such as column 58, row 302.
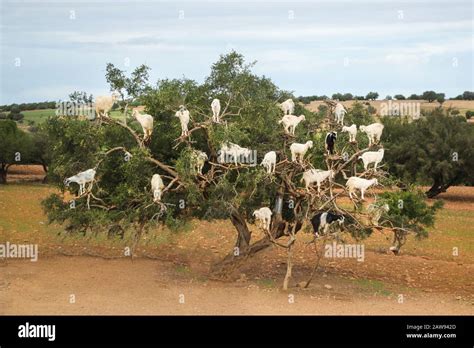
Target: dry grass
column 461, row 105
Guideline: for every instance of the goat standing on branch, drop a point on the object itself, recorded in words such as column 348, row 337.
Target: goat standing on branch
column 324, row 221
column 339, row 113
column 372, row 157
column 373, row 131
column 288, row 106
column 216, row 110
column 317, row 176
column 146, row 121
column 104, row 103
column 264, row 216
column 198, row 159
column 356, row 183
column 82, row 179
column 299, row 150
column 290, row 122
column 183, row 115
column 269, row 162
column 352, row 130
column 330, row 141
column 157, row 187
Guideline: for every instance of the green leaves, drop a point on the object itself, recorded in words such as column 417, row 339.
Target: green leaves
column 436, row 149
column 409, row 210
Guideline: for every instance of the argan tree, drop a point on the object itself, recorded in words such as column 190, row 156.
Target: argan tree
column 121, row 196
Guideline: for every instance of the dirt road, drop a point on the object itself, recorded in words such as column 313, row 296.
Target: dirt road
column 152, row 287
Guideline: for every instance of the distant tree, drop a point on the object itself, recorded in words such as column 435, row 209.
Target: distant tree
column 372, row 96
column 399, row 97
column 388, row 97
column 338, row 96
column 415, row 97
column 348, row 96
column 467, row 95
column 440, row 98
column 359, row 97
column 437, row 150
column 15, row 109
column 41, row 148
column 16, row 116
column 430, row 96
column 14, row 146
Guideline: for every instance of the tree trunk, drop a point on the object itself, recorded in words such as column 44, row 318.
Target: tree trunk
column 243, row 233
column 3, row 174
column 233, row 260
column 289, row 267
column 437, row 188
column 45, row 168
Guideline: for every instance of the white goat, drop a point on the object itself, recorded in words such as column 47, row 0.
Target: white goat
column 317, row 176
column 104, row 103
column 290, row 122
column 361, row 184
column 146, row 121
column 82, row 179
column 373, row 131
column 352, row 130
column 237, row 152
column 199, row 158
column 157, row 187
column 264, row 216
column 183, row 115
column 216, row 110
column 288, row 106
column 372, row 157
column 299, row 150
column 339, row 113
column 269, row 161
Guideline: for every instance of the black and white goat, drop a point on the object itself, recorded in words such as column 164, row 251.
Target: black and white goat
column 324, row 220
column 330, row 141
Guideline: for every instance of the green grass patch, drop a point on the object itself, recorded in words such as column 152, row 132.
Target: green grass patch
column 267, row 283
column 37, row 116
column 375, row 286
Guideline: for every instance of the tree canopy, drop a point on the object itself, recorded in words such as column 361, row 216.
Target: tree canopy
column 125, row 163
column 437, row 150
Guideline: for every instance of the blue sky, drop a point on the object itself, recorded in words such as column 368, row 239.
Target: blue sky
column 51, row 48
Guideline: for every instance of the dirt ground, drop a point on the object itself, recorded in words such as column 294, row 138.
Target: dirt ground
column 425, row 279
column 25, row 173
column 155, row 287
